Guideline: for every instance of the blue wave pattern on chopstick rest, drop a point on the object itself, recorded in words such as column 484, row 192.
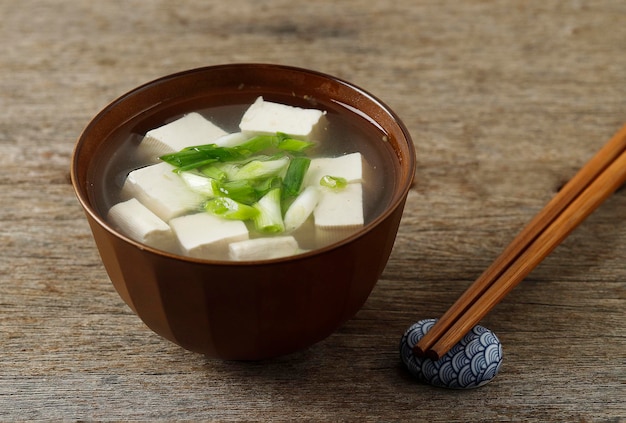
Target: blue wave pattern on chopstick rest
column 471, row 363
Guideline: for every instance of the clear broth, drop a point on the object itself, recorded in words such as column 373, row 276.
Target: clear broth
column 342, row 133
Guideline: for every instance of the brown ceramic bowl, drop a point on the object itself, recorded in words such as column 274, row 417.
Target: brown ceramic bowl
column 245, row 310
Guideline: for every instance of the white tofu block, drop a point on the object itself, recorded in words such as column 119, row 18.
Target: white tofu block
column 162, row 191
column 203, row 235
column 264, row 117
column 263, row 248
column 349, row 166
column 190, row 130
column 340, row 208
column 329, row 235
column 136, row 221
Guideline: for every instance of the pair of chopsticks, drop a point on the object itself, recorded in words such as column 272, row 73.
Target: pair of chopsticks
column 593, row 184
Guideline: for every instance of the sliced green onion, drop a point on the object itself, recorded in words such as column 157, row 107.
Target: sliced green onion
column 226, row 170
column 257, row 169
column 263, row 186
column 333, row 182
column 194, row 157
column 213, row 171
column 241, row 191
column 301, row 208
column 254, row 180
column 295, row 175
column 255, row 144
column 199, row 183
column 285, row 142
column 230, row 209
column 201, row 155
column 269, row 218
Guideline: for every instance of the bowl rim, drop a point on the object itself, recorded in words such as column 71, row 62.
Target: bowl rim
column 399, row 196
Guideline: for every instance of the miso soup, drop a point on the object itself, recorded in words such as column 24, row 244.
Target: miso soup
column 347, row 137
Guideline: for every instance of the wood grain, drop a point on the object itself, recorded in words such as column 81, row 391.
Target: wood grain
column 505, row 101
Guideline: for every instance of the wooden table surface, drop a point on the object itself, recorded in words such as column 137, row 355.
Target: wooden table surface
column 504, row 100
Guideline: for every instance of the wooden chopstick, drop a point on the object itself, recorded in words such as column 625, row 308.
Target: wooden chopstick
column 593, row 184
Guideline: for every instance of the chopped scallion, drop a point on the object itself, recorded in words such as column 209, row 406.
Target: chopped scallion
column 285, row 142
column 333, row 182
column 199, row 183
column 230, row 209
column 301, row 208
column 295, row 175
column 257, row 169
column 269, row 218
column 241, row 191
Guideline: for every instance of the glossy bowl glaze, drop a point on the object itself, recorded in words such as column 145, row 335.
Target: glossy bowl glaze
column 244, row 310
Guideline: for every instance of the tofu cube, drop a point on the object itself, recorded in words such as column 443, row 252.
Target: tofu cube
column 340, row 208
column 203, row 235
column 162, row 191
column 136, row 221
column 349, row 166
column 338, row 214
column 187, row 131
column 264, row 117
column 324, row 236
column 263, row 248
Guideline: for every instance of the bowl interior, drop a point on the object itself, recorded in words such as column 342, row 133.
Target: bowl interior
column 167, row 98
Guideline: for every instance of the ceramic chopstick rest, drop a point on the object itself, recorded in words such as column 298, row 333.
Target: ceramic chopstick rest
column 471, row 363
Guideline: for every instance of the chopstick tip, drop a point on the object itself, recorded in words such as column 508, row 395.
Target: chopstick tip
column 418, row 351
column 433, row 355
column 425, row 352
